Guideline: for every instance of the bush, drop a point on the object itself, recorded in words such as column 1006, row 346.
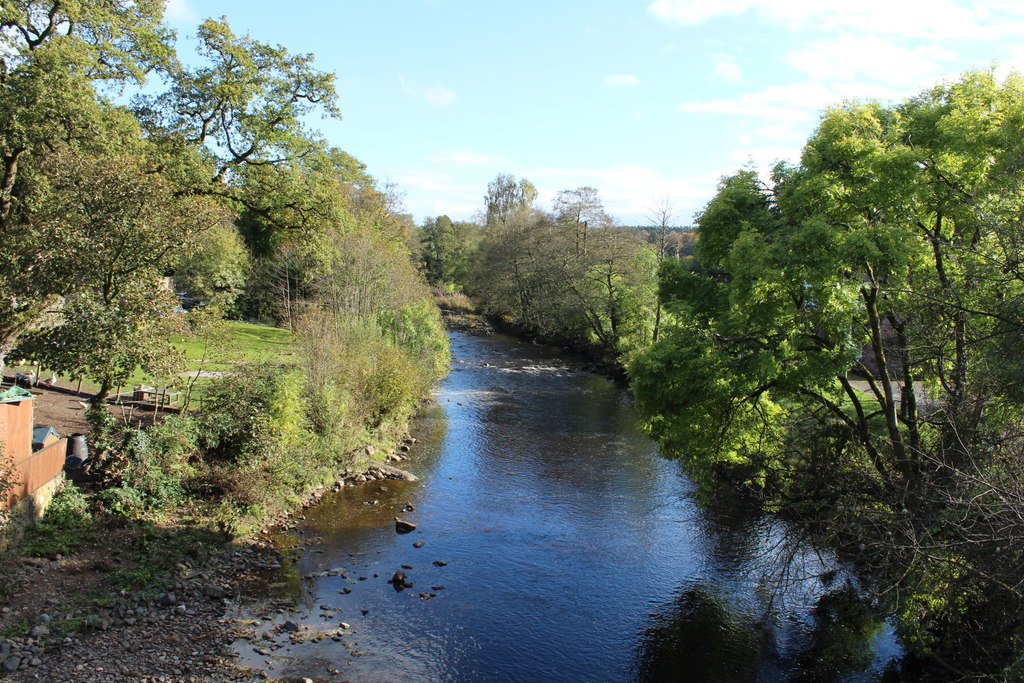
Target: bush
column 392, row 388
column 155, row 465
column 66, row 525
column 258, row 444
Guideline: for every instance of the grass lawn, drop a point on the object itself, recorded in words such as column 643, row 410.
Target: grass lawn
column 233, row 343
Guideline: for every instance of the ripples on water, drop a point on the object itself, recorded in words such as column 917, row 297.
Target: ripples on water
column 574, row 553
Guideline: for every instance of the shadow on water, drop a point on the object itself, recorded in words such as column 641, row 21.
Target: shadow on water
column 702, row 636
column 699, row 637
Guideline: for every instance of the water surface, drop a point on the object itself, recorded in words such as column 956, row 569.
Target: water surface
column 571, row 551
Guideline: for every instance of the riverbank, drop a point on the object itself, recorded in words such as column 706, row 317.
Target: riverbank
column 94, row 613
column 157, row 612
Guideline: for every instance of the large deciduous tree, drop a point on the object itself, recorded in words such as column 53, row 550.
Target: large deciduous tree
column 847, row 348
column 114, row 231
column 54, row 56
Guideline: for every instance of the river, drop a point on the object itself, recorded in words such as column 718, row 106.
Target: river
column 557, row 546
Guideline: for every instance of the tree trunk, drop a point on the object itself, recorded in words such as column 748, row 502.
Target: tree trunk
column 887, row 399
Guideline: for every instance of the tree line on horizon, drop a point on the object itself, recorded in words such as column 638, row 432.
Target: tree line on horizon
column 571, row 275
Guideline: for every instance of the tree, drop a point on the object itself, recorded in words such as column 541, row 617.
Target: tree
column 115, row 230
column 892, row 250
column 661, row 213
column 245, row 109
column 446, row 249
column 506, row 199
column 581, row 209
column 246, row 105
column 216, row 272
column 54, row 57
column 546, row 274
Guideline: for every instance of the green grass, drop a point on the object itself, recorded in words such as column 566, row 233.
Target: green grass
column 236, row 342
column 241, row 342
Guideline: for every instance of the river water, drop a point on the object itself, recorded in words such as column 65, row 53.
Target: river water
column 571, row 552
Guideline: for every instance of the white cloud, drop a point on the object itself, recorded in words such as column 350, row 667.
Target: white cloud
column 1012, row 61
column 931, row 19
column 873, row 57
column 778, row 132
column 796, row 102
column 464, row 157
column 435, row 94
column 728, row 70
column 691, row 12
column 179, row 12
column 431, row 192
column 622, row 80
column 627, row 190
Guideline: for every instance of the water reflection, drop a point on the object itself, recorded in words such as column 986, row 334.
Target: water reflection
column 700, row 637
column 569, row 549
column 703, row 635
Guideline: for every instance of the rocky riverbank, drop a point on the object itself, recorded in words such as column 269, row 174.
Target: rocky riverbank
column 61, row 624
column 178, row 635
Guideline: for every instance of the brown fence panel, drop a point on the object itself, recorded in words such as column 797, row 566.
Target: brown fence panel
column 37, row 470
column 16, row 428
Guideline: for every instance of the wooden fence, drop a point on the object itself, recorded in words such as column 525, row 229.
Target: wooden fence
column 34, row 472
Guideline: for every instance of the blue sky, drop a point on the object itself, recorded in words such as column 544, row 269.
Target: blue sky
column 642, row 100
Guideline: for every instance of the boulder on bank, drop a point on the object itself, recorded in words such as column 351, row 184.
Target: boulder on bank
column 395, row 473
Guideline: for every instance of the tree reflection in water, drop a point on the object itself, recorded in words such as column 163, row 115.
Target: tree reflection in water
column 703, row 635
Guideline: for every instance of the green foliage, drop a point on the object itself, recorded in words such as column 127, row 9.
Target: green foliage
column 253, row 415
column 56, row 54
column 892, row 251
column 447, row 250
column 508, row 200
column 67, row 524
column 416, row 328
column 157, row 464
column 117, row 229
column 217, row 272
column 571, row 277
column 218, row 180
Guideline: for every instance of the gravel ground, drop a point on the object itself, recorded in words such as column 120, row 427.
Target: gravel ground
column 181, row 635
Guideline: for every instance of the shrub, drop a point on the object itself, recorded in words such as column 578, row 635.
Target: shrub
column 392, row 387
column 157, row 464
column 66, row 525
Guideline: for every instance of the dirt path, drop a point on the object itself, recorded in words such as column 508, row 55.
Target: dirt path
column 61, row 409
